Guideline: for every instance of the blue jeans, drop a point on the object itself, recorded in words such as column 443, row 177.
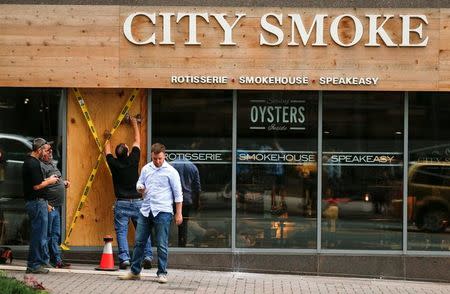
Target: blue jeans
column 124, row 210
column 38, row 216
column 54, row 234
column 161, row 224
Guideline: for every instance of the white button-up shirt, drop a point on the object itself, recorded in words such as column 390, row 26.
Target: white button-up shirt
column 162, row 188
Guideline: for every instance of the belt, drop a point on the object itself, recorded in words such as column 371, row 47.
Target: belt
column 129, row 199
column 37, row 199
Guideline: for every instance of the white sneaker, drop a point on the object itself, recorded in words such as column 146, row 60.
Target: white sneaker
column 130, row 276
column 162, row 279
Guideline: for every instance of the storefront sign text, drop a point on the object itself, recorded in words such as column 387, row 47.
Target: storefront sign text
column 277, row 114
column 436, row 153
column 362, row 158
column 348, row 81
column 280, row 157
column 271, row 28
column 259, row 80
column 199, row 156
column 275, row 80
column 199, row 79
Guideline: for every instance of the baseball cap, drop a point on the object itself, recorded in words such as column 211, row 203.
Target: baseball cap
column 39, row 142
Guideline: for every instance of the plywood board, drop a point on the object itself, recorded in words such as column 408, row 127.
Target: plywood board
column 104, row 106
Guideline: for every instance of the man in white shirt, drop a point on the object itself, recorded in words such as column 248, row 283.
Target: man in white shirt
column 161, row 185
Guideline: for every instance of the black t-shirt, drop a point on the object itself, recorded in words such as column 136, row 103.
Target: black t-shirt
column 125, row 174
column 31, row 176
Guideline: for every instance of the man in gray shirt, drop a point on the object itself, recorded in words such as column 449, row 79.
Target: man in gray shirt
column 55, row 196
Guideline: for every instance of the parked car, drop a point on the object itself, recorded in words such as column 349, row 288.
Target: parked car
column 13, row 219
column 15, row 149
column 429, row 195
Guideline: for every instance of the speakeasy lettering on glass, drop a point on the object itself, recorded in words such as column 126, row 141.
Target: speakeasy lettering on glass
column 271, row 28
column 363, row 158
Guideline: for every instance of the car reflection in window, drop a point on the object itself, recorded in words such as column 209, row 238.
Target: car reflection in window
column 429, row 195
column 13, row 218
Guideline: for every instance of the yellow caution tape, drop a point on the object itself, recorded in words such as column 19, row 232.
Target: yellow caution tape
column 88, row 186
column 88, row 119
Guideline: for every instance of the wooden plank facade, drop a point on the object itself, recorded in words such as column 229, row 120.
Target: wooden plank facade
column 84, row 46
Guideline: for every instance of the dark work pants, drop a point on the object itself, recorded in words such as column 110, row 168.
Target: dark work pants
column 183, row 228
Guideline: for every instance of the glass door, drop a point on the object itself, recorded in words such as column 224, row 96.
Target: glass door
column 362, row 170
column 196, row 127
column 429, row 172
column 276, row 169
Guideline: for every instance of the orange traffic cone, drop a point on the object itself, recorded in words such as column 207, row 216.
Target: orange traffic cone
column 107, row 261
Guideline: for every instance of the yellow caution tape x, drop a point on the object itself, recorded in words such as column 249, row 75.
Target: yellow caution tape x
column 88, row 119
column 87, row 187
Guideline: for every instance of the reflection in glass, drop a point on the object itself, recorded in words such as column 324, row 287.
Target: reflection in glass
column 276, row 169
column 362, row 171
column 25, row 114
column 196, row 127
column 429, row 172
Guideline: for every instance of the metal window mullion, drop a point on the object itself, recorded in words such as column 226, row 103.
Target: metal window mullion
column 319, row 172
column 405, row 173
column 233, row 172
column 149, row 123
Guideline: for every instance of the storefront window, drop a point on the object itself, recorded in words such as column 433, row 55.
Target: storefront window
column 196, row 127
column 429, row 172
column 25, row 114
column 276, row 169
column 362, row 170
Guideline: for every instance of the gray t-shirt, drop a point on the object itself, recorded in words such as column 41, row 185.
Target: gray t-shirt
column 53, row 193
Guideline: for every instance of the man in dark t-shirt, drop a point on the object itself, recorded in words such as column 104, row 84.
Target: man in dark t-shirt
column 190, row 183
column 124, row 169
column 34, row 184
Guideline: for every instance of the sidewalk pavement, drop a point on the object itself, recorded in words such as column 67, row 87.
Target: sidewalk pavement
column 84, row 279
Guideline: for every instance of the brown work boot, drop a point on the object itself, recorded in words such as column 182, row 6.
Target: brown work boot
column 38, row 270
column 124, row 264
column 147, row 263
column 62, row 264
